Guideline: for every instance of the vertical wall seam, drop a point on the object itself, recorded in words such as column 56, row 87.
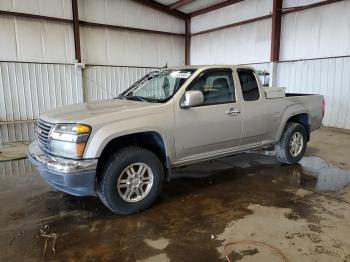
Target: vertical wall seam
column 16, row 39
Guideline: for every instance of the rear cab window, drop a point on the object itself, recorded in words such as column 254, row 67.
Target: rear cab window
column 249, row 85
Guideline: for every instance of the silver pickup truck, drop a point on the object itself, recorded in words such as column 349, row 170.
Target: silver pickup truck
column 124, row 149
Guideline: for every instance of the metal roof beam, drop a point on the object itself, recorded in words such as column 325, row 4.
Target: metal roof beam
column 162, row 8
column 180, row 3
column 214, row 7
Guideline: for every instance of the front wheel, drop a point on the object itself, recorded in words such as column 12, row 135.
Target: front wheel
column 292, row 146
column 131, row 181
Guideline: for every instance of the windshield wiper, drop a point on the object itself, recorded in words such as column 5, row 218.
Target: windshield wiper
column 124, row 97
column 120, row 97
column 139, row 98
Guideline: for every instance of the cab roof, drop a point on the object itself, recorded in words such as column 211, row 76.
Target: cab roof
column 196, row 67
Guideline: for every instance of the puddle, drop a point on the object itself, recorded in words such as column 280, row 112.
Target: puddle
column 328, row 177
column 13, row 151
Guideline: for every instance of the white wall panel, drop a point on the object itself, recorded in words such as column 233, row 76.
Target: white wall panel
column 54, row 8
column 128, row 13
column 105, row 82
column 294, row 3
column 126, row 48
column 261, row 66
column 317, row 32
column 249, row 43
column 30, row 40
column 329, row 77
column 27, row 89
column 231, row 14
column 150, row 50
column 11, row 132
column 8, row 44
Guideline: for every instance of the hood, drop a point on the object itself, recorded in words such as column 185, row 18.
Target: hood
column 87, row 112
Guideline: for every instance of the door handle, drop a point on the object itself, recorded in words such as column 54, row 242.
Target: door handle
column 233, row 112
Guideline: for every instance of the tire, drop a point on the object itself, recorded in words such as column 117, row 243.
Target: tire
column 283, row 150
column 112, row 188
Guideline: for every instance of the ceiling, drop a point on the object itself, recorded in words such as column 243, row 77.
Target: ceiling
column 190, row 6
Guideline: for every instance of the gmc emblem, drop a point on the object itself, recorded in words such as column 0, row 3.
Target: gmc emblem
column 38, row 130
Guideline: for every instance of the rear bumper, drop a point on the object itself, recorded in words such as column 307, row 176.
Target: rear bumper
column 75, row 177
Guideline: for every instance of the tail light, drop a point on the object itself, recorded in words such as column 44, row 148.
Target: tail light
column 323, row 106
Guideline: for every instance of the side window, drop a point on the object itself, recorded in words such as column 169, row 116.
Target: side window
column 216, row 85
column 250, row 89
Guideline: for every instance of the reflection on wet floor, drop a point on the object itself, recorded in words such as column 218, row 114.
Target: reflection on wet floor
column 13, row 151
column 16, row 168
column 328, row 177
column 312, row 172
column 199, row 204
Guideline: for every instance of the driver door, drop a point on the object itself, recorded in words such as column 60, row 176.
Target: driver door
column 214, row 127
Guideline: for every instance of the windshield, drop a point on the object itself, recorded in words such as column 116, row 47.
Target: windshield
column 157, row 86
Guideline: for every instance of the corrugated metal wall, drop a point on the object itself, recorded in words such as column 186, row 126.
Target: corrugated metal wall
column 329, row 77
column 318, row 32
column 28, row 40
column 104, row 82
column 241, row 11
column 249, row 43
column 54, row 8
column 116, row 47
column 29, row 89
column 127, row 48
column 313, row 33
column 37, row 57
column 128, row 13
column 11, row 132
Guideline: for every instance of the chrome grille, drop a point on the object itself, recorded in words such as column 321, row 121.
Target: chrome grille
column 42, row 131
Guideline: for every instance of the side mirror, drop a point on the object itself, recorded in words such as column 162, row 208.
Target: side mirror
column 192, row 98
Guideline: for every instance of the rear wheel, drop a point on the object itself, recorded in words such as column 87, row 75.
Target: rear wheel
column 131, row 181
column 292, row 145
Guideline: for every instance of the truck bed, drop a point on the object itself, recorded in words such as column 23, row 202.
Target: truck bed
column 298, row 94
column 314, row 105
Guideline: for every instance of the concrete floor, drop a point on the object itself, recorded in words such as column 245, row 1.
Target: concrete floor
column 303, row 210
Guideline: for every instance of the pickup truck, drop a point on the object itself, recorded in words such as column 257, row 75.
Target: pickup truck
column 124, row 149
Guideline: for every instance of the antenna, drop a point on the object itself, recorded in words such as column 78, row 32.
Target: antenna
column 92, row 81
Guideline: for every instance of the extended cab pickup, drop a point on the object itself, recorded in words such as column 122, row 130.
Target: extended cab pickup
column 123, row 149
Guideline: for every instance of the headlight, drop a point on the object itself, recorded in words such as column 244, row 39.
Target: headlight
column 69, row 140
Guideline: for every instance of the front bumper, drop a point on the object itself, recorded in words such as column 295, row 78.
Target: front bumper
column 75, row 177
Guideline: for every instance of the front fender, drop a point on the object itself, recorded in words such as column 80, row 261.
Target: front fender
column 103, row 135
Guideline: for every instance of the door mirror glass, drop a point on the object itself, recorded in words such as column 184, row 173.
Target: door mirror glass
column 193, row 98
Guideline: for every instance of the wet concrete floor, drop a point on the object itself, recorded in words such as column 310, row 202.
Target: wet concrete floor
column 303, row 210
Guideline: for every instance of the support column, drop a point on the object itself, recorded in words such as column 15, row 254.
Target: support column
column 188, row 41
column 275, row 39
column 76, row 30
column 273, row 74
column 79, row 66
